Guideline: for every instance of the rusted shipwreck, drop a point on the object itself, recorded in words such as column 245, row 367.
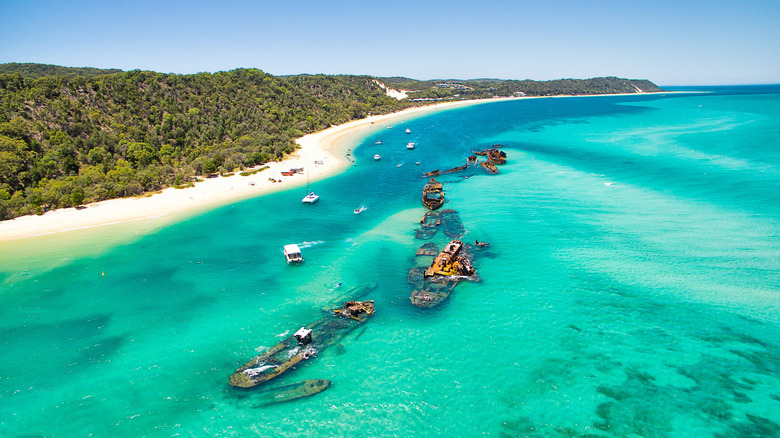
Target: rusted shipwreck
column 450, row 262
column 438, row 172
column 434, row 284
column 490, row 167
column 433, row 194
column 306, row 343
column 494, row 157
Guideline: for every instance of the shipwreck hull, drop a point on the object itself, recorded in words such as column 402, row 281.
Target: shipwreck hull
column 496, row 156
column 433, row 195
column 489, row 167
column 293, row 391
column 291, row 351
column 285, row 355
column 431, row 296
column 433, row 285
column 431, row 222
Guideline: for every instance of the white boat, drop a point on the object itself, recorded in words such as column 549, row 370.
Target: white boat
column 377, row 157
column 293, row 253
column 410, row 145
column 310, row 198
column 408, row 131
column 378, row 142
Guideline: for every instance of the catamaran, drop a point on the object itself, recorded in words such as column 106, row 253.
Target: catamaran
column 310, row 197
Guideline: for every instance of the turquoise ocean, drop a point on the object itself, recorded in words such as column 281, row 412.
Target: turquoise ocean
column 632, row 288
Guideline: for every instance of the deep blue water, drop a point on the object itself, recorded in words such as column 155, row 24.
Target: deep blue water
column 631, row 289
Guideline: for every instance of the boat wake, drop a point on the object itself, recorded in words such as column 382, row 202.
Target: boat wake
column 361, row 209
column 310, row 244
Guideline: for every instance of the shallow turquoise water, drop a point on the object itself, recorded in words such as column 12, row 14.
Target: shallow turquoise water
column 631, row 289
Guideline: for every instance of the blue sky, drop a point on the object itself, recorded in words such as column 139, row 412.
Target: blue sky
column 669, row 42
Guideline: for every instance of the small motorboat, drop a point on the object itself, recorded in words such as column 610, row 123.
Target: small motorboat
column 408, row 131
column 410, row 145
column 377, row 157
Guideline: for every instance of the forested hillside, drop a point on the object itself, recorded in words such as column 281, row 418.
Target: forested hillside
column 74, row 136
column 66, row 141
column 34, row 71
column 487, row 88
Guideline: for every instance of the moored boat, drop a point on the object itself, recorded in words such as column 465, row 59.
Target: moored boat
column 310, row 198
column 377, row 157
column 410, row 145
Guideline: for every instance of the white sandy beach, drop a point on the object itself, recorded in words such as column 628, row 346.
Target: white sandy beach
column 321, row 154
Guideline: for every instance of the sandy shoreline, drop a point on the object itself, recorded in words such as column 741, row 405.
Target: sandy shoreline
column 322, row 153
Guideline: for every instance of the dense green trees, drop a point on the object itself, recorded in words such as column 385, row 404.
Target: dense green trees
column 73, row 136
column 486, row 88
column 66, row 140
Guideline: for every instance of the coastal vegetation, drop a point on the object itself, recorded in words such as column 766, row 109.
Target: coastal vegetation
column 488, row 88
column 70, row 136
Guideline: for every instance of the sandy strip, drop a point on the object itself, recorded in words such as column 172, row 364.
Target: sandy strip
column 322, row 153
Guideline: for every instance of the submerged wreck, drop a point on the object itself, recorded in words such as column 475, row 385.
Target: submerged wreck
column 434, row 284
column 305, row 344
column 293, row 391
column 431, row 221
column 433, row 194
